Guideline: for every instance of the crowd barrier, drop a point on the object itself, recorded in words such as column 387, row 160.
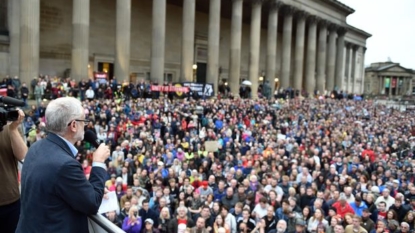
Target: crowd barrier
column 99, row 224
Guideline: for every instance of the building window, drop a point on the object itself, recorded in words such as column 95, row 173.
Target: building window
column 168, row 77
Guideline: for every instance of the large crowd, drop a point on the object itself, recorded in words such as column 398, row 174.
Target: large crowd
column 234, row 165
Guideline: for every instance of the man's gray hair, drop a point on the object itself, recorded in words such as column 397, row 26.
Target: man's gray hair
column 182, row 208
column 60, row 112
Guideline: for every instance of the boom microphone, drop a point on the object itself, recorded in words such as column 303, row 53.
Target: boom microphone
column 91, row 137
column 11, row 101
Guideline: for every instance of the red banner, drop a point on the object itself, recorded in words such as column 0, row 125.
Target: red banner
column 169, row 88
column 394, row 79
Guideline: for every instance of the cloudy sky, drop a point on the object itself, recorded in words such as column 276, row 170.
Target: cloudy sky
column 392, row 25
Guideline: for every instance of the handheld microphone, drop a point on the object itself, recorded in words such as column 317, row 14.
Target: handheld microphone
column 11, row 101
column 91, row 137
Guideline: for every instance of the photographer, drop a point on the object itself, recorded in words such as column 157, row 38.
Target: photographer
column 12, row 150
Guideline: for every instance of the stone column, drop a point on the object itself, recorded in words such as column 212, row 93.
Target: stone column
column 235, row 47
column 331, row 57
column 321, row 55
column 122, row 40
column 381, row 84
column 410, row 85
column 340, row 58
column 14, row 35
column 188, row 40
column 310, row 78
column 272, row 44
column 390, row 86
column 29, row 40
column 213, row 44
column 80, row 39
column 286, row 46
column 254, row 44
column 362, row 87
column 353, row 64
column 348, row 66
column 299, row 51
column 158, row 41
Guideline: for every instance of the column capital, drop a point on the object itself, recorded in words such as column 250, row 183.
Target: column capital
column 348, row 45
column 341, row 31
column 312, row 19
column 275, row 4
column 301, row 14
column 355, row 47
column 332, row 27
column 288, row 10
column 364, row 50
column 323, row 23
column 257, row 2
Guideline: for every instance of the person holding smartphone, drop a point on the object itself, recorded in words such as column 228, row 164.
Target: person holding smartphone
column 132, row 223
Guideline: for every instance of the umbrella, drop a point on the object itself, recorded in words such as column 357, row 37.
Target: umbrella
column 246, row 82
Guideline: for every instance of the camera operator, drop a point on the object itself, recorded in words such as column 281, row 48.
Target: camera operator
column 12, row 149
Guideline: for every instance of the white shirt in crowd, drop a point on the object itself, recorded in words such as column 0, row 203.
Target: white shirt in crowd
column 89, row 94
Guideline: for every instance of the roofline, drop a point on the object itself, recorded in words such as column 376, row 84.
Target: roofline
column 339, row 5
column 377, row 70
column 359, row 31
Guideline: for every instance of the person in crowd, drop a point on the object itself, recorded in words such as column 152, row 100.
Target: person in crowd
column 355, row 226
column 114, row 218
column 12, row 149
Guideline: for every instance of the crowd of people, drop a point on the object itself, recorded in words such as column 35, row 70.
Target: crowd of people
column 243, row 165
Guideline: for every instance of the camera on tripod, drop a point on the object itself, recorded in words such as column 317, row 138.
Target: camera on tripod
column 7, row 111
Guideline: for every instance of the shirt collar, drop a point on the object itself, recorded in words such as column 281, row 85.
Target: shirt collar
column 71, row 147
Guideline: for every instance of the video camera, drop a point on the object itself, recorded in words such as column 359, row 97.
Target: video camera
column 7, row 111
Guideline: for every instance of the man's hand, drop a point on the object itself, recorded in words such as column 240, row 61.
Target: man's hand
column 101, row 154
column 15, row 124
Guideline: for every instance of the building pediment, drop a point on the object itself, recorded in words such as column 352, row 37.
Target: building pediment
column 389, row 67
column 396, row 69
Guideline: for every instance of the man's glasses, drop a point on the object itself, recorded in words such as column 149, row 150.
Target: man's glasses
column 85, row 121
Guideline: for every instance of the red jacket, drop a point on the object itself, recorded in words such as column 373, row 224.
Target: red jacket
column 342, row 211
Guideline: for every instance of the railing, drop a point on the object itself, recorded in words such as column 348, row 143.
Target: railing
column 99, row 224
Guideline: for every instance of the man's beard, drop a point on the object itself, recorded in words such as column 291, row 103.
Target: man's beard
column 280, row 230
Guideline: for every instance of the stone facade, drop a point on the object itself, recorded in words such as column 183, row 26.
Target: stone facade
column 388, row 78
column 58, row 31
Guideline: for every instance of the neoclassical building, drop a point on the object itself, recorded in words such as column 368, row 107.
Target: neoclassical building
column 303, row 44
column 388, row 78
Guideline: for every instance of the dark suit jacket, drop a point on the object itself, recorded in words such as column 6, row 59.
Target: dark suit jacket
column 55, row 195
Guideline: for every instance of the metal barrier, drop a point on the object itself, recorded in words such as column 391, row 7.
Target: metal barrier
column 99, row 224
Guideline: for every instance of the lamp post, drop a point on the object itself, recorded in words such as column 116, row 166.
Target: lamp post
column 194, row 72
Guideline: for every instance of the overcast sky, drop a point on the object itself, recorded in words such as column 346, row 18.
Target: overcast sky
column 391, row 24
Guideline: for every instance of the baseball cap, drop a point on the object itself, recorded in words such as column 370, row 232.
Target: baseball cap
column 149, row 220
column 205, row 183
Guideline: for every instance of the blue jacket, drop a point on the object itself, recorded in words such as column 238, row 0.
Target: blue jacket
column 55, row 194
column 358, row 210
